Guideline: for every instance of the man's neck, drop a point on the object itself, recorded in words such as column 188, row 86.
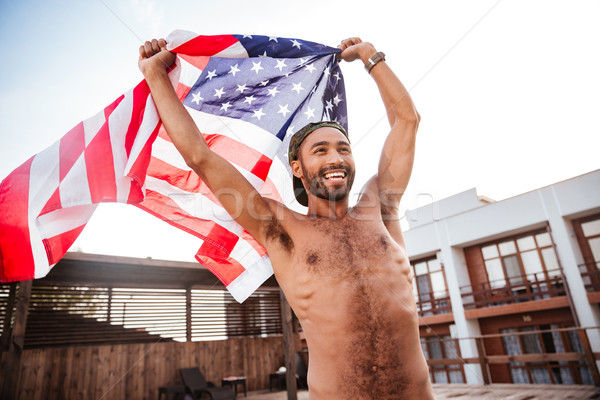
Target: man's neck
column 321, row 208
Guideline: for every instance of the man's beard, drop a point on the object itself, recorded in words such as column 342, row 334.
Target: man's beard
column 318, row 188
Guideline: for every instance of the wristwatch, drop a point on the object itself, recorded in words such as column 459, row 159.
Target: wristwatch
column 373, row 60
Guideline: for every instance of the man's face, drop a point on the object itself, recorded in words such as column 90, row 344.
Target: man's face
column 326, row 163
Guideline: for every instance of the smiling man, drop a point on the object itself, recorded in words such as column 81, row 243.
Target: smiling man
column 343, row 269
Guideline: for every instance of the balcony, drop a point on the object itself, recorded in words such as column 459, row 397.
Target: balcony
column 433, row 305
column 590, row 272
column 516, row 290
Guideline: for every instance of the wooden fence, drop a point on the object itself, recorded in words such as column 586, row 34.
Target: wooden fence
column 135, row 371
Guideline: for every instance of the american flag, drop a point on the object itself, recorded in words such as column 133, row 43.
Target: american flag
column 246, row 93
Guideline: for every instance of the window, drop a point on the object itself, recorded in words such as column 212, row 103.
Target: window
column 523, row 258
column 543, row 340
column 429, row 287
column 440, row 347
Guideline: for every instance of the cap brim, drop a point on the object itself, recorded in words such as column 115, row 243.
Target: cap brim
column 300, row 192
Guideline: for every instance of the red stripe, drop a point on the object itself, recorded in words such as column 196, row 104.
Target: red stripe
column 100, row 167
column 199, row 62
column 16, row 256
column 57, row 246
column 139, row 169
column 226, row 269
column 182, row 91
column 140, row 96
column 205, row 45
column 53, row 202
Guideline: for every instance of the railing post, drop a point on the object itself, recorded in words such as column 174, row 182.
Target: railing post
column 482, row 361
column 188, row 314
column 589, row 356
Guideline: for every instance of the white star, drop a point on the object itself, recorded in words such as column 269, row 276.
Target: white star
column 329, row 105
column 211, row 74
column 287, row 74
column 263, row 54
column 290, row 130
column 295, row 43
column 197, row 97
column 258, row 114
column 256, row 67
column 337, row 76
column 310, row 68
column 249, row 99
column 241, row 88
column 225, row 106
column 273, row 38
column 234, row 69
column 302, row 60
column 280, row 64
column 310, row 113
column 326, row 72
column 247, row 36
column 219, row 92
column 264, row 83
column 283, row 110
column 336, row 99
column 297, row 87
column 273, row 91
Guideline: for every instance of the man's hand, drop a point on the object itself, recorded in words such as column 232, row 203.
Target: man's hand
column 354, row 48
column 154, row 56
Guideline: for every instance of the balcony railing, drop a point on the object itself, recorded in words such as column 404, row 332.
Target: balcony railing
column 515, row 290
column 433, row 303
column 590, row 272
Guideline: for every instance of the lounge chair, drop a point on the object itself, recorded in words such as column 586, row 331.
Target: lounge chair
column 196, row 385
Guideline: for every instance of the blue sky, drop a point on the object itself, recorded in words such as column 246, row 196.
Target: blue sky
column 508, row 91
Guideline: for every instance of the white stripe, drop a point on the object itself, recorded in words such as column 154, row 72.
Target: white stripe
column 236, row 50
column 149, row 123
column 92, row 125
column 189, row 73
column 44, row 178
column 195, row 204
column 118, row 123
column 74, row 188
column 251, row 279
column 64, row 220
column 237, row 129
column 179, row 37
column 166, row 151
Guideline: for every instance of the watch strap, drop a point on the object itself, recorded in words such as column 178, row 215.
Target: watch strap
column 373, row 60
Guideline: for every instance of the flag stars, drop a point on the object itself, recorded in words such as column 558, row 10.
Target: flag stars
column 283, row 110
column 329, row 105
column 295, row 43
column 211, row 74
column 297, row 87
column 280, row 65
column 310, row 68
column 219, row 93
column 247, row 36
column 263, row 54
column 241, row 88
column 256, row 67
column 273, row 91
column 273, row 38
column 225, row 106
column 259, row 114
column 197, row 98
column 249, row 99
column 336, row 99
column 264, row 83
column 234, row 69
column 310, row 113
column 337, row 76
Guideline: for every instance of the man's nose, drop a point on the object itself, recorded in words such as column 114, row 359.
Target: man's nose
column 334, row 157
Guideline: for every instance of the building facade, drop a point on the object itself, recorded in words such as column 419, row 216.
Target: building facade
column 520, row 273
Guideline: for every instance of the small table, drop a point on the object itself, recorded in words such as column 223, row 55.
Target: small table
column 234, row 381
column 178, row 391
column 279, row 379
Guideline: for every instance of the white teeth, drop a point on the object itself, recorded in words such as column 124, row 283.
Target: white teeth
column 335, row 175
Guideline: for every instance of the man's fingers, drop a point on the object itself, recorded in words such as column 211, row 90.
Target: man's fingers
column 162, row 43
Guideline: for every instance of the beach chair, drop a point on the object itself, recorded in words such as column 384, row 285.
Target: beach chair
column 196, row 385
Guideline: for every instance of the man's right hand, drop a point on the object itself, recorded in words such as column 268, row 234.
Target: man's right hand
column 154, row 57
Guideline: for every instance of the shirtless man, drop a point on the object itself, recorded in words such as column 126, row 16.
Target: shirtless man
column 344, row 270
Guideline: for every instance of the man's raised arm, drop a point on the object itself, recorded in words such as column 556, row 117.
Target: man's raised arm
column 233, row 191
column 396, row 161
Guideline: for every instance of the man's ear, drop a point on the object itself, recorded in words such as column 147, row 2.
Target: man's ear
column 296, row 168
